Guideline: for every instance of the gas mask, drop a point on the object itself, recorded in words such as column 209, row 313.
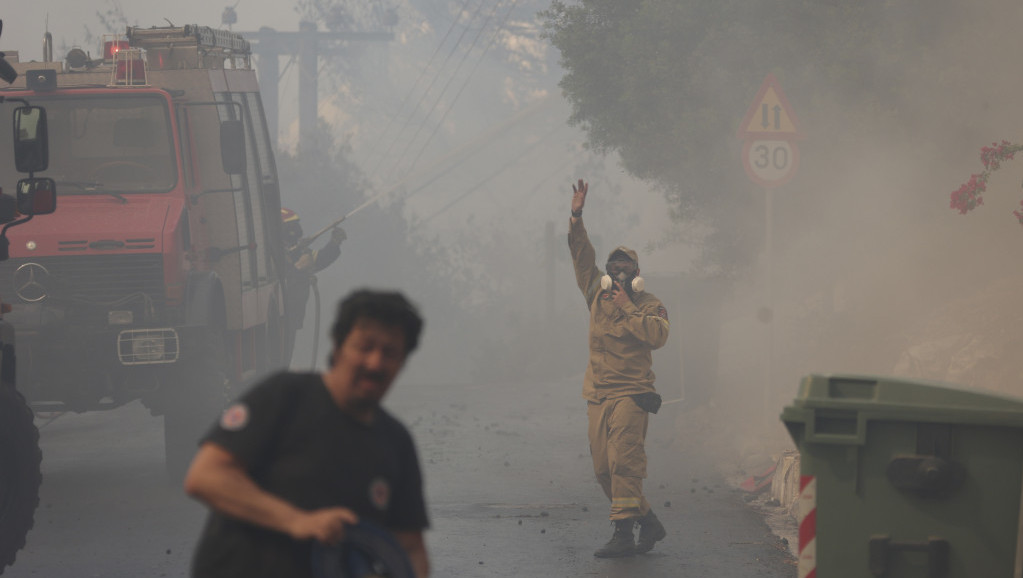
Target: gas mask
column 292, row 233
column 633, row 283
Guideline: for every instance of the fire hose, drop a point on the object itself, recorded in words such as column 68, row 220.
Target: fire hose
column 316, row 320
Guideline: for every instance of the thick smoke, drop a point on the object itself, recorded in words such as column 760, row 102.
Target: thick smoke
column 872, row 272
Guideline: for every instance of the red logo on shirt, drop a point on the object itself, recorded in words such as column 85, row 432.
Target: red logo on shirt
column 235, row 417
column 379, row 493
column 662, row 313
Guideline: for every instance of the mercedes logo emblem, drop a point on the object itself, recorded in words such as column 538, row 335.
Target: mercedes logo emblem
column 30, row 282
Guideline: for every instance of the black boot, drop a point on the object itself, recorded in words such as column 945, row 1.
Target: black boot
column 621, row 543
column 650, row 531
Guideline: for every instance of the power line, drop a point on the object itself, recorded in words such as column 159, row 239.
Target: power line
column 286, row 85
column 548, row 176
column 287, row 65
column 492, row 176
column 472, row 147
column 440, row 97
column 477, row 145
column 429, row 87
column 440, row 123
column 408, row 95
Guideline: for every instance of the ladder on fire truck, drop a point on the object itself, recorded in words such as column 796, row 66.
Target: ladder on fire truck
column 191, row 46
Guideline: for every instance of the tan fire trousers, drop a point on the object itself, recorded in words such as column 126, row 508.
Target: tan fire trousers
column 617, row 432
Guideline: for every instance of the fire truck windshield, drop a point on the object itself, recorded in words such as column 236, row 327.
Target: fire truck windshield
column 101, row 144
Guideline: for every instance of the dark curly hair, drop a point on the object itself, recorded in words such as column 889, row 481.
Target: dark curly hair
column 388, row 308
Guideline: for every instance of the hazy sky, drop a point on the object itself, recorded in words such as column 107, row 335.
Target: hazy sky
column 24, row 26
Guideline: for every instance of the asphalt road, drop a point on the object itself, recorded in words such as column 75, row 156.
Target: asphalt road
column 508, row 478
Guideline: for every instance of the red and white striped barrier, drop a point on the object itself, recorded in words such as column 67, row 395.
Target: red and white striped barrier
column 807, row 527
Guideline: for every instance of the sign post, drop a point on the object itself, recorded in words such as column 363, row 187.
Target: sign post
column 770, row 155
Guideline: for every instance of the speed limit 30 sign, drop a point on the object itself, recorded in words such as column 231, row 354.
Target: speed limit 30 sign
column 769, row 132
column 770, row 163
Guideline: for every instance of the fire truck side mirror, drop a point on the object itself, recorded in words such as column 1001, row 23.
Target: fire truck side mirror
column 7, row 72
column 8, row 209
column 37, row 196
column 232, row 146
column 31, row 143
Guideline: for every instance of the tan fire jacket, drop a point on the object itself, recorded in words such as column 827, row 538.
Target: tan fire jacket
column 620, row 339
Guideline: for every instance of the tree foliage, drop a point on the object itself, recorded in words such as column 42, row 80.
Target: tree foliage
column 665, row 84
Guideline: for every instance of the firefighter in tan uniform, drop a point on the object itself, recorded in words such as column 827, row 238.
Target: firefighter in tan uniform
column 626, row 325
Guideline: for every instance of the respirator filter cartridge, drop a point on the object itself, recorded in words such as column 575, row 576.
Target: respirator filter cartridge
column 606, row 283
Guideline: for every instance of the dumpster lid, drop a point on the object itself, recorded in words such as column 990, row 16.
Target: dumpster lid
column 897, row 395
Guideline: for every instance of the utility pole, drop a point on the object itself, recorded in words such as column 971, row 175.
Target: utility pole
column 308, row 44
column 770, row 156
column 551, row 256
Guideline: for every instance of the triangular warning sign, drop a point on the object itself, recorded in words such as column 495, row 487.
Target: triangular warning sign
column 770, row 115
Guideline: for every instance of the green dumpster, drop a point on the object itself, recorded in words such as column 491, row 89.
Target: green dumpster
column 906, row 479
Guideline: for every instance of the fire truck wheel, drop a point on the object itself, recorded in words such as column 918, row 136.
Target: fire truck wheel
column 203, row 388
column 20, row 474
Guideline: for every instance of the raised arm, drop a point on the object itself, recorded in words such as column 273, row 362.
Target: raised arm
column 579, row 199
column 584, row 258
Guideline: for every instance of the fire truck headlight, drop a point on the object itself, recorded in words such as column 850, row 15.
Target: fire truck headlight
column 120, row 317
column 142, row 346
column 148, row 349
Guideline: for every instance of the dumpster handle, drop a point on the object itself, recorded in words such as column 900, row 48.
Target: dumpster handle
column 837, row 427
column 936, row 548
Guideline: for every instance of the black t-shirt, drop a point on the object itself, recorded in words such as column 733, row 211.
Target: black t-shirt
column 297, row 444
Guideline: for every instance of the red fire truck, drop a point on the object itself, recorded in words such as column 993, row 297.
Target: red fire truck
column 160, row 278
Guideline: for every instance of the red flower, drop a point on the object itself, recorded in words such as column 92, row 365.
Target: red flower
column 993, row 155
column 968, row 196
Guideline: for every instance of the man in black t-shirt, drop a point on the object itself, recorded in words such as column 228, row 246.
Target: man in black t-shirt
column 302, row 456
